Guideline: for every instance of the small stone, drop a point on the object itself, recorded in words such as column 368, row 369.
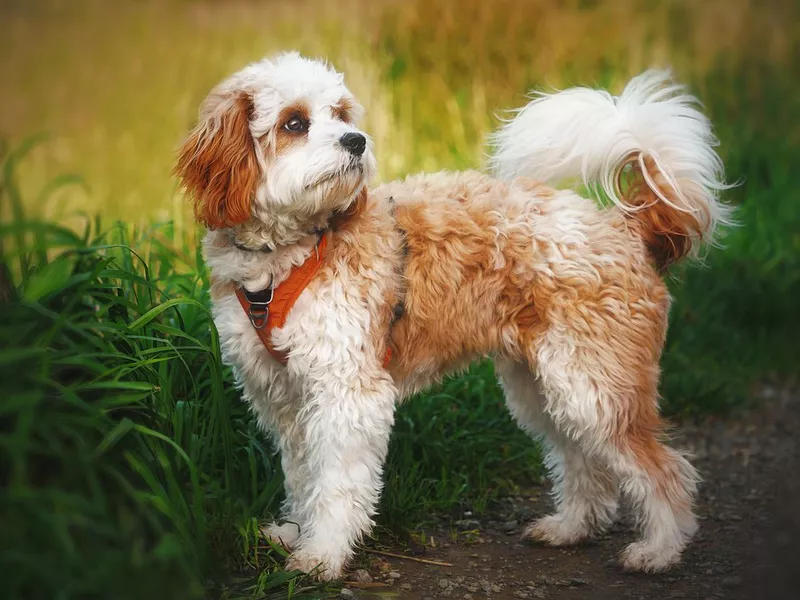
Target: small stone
column 347, row 593
column 521, row 594
column 393, row 575
column 468, row 596
column 468, row 524
column 577, row 582
column 405, row 586
column 362, row 576
column 539, row 593
column 444, row 583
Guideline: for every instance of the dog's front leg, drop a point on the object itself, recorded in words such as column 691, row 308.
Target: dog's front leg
column 345, row 421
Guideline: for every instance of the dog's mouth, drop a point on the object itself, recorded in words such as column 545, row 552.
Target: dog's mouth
column 353, row 166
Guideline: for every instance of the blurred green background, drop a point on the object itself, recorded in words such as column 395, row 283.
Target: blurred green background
column 128, row 467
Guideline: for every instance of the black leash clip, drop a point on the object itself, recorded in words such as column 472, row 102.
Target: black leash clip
column 258, row 311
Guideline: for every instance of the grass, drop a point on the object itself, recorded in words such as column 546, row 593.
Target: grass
column 128, row 466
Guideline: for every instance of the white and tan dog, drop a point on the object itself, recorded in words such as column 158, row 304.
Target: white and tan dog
column 567, row 297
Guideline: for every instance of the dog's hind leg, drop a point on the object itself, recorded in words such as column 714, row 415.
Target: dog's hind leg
column 584, row 490
column 601, row 391
column 661, row 484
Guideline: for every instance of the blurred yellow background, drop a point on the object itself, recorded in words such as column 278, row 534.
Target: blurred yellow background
column 116, row 85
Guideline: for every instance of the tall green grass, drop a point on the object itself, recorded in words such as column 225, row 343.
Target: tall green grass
column 129, row 468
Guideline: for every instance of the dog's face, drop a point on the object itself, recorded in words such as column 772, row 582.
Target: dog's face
column 276, row 141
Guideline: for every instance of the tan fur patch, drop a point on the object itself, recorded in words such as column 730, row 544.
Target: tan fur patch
column 667, row 232
column 343, row 110
column 493, row 268
column 467, row 293
column 217, row 164
column 367, row 247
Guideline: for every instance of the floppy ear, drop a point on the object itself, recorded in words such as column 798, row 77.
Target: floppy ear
column 217, row 164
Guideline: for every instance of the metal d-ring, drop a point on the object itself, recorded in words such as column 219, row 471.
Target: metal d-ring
column 259, row 315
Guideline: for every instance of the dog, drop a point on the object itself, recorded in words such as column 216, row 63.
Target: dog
column 418, row 278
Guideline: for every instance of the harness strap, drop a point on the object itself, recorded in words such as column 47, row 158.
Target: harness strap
column 269, row 308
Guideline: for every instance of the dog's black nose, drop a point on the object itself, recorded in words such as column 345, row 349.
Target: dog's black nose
column 354, row 143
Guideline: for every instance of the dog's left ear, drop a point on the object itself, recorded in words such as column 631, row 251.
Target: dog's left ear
column 217, row 164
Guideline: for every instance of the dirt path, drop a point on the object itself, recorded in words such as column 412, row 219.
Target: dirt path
column 748, row 545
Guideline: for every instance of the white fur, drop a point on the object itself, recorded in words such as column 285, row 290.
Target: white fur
column 588, row 133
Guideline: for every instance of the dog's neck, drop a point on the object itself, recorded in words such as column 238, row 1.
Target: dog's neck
column 268, row 231
column 258, row 235
column 255, row 254
column 251, row 266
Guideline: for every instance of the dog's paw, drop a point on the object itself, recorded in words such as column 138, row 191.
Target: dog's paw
column 284, row 535
column 320, row 567
column 648, row 557
column 555, row 530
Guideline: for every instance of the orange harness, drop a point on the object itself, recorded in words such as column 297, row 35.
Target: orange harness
column 269, row 308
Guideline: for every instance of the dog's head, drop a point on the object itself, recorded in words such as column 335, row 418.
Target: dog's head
column 277, row 142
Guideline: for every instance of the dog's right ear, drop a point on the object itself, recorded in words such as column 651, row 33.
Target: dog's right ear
column 217, row 164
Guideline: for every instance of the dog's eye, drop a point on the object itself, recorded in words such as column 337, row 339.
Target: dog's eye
column 296, row 125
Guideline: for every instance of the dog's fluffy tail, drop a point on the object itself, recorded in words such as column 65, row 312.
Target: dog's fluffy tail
column 650, row 150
